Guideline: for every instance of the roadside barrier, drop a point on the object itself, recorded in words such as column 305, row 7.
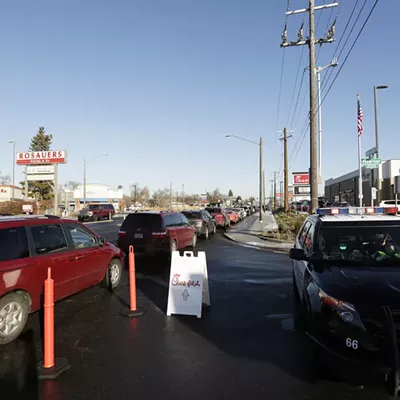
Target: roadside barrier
column 133, row 311
column 50, row 367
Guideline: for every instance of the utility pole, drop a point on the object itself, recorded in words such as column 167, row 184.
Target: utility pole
column 286, row 168
column 170, row 195
column 275, row 190
column 263, row 188
column 311, row 42
column 261, row 178
column 84, row 183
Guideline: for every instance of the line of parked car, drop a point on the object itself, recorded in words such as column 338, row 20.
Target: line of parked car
column 79, row 258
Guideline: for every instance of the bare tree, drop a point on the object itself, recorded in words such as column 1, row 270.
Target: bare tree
column 4, row 179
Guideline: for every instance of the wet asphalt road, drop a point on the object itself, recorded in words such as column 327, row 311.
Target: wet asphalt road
column 243, row 346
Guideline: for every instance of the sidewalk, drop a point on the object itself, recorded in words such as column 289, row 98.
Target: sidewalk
column 249, row 232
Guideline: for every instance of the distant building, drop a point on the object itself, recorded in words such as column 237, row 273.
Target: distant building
column 97, row 193
column 345, row 187
column 6, row 193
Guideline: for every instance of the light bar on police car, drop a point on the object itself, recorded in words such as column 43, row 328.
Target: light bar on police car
column 357, row 210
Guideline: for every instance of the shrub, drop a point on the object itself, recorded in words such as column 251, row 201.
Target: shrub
column 289, row 224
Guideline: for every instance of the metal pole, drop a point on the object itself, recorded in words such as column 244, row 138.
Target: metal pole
column 360, row 181
column 319, row 127
column 313, row 120
column 286, row 170
column 275, row 190
column 55, row 189
column 378, row 181
column 13, row 178
column 263, row 188
column 26, row 183
column 84, row 182
column 261, row 179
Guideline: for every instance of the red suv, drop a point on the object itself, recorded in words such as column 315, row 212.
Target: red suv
column 156, row 233
column 78, row 258
column 95, row 212
column 221, row 217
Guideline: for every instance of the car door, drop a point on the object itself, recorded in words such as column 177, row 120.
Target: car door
column 179, row 231
column 169, row 223
column 50, row 249
column 187, row 230
column 89, row 258
column 299, row 267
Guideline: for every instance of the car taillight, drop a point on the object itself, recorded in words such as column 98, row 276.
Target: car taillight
column 198, row 222
column 122, row 234
column 159, row 235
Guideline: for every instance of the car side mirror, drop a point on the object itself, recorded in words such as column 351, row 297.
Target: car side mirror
column 101, row 241
column 298, row 254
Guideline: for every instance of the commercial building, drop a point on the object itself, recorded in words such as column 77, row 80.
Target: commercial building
column 97, row 193
column 6, row 193
column 345, row 187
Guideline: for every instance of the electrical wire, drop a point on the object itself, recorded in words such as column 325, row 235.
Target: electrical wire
column 302, row 136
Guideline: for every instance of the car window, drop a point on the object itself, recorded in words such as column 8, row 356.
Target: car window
column 13, row 244
column 143, row 221
column 303, row 232
column 177, row 219
column 168, row 221
column 185, row 221
column 192, row 214
column 48, row 239
column 81, row 237
column 309, row 239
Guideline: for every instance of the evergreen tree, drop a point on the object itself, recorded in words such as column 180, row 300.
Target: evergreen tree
column 41, row 190
column 230, row 194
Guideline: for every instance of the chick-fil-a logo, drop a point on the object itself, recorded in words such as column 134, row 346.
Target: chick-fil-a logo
column 177, row 282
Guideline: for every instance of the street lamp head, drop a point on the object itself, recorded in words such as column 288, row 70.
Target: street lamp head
column 11, row 141
column 228, row 135
column 382, row 87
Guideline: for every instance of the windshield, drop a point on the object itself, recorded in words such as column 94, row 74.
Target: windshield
column 360, row 243
column 192, row 215
column 214, row 210
column 91, row 207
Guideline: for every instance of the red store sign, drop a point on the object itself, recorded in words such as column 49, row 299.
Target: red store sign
column 301, row 179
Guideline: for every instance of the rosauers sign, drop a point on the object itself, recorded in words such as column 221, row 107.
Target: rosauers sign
column 42, row 157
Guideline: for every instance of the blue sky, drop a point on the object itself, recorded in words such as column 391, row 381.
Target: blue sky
column 158, row 84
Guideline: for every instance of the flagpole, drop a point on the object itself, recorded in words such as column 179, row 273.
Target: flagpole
column 360, row 180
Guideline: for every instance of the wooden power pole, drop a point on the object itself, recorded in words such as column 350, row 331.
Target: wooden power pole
column 286, row 169
column 311, row 42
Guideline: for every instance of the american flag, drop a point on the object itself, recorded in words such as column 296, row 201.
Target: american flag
column 359, row 118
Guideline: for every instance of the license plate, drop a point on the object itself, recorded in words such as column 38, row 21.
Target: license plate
column 138, row 236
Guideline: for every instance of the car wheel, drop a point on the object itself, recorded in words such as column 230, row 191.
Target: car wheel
column 95, row 218
column 113, row 274
column 207, row 233
column 14, row 311
column 194, row 241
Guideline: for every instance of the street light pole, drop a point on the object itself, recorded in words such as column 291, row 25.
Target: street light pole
column 85, row 163
column 318, row 72
column 376, row 88
column 260, row 144
column 13, row 170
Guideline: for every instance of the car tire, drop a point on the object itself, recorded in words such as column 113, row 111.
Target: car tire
column 214, row 231
column 113, row 275
column 207, row 233
column 194, row 241
column 14, row 306
column 95, row 218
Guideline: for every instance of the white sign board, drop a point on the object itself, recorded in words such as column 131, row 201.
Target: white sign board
column 40, row 177
column 39, row 169
column 373, row 193
column 188, row 284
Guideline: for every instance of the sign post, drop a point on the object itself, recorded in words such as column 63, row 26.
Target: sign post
column 42, row 166
column 188, row 284
column 373, row 196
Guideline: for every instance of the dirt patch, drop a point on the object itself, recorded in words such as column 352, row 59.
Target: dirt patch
column 289, row 225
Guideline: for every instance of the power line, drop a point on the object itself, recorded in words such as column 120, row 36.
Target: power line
column 328, row 76
column 301, row 137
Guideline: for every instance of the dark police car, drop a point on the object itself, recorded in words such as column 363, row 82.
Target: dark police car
column 346, row 281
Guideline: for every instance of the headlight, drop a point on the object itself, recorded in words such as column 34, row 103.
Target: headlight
column 346, row 311
column 90, row 213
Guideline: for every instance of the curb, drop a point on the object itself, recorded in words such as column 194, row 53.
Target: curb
column 263, row 246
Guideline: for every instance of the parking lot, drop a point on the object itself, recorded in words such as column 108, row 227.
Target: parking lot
column 243, row 346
